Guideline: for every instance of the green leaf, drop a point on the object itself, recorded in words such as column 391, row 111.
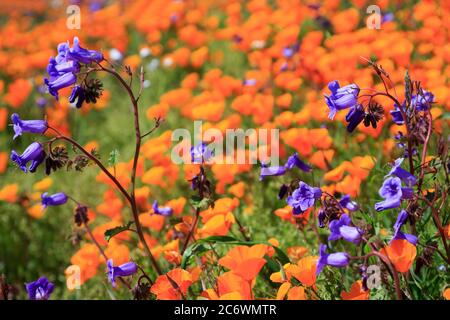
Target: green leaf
column 282, row 257
column 219, row 239
column 115, row 231
column 113, row 158
column 193, row 250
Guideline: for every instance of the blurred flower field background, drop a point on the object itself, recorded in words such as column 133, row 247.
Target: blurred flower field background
column 232, row 64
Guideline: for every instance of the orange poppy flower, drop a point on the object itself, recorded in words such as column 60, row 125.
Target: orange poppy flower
column 305, row 270
column 356, row 292
column 173, row 285
column 237, row 189
column 217, row 225
column 283, row 290
column 18, row 93
column 297, row 293
column 9, row 193
column 446, row 294
column 295, row 253
column 3, row 161
column 152, row 221
column 88, row 259
column 36, row 211
column 245, row 261
column 284, row 100
column 210, row 294
column 3, row 118
column 230, row 282
column 118, row 252
column 401, row 253
column 43, row 185
column 293, row 293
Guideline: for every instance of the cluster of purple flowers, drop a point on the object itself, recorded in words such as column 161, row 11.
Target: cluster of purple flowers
column 34, row 154
column 63, row 69
column 341, row 228
column 420, row 102
column 347, row 98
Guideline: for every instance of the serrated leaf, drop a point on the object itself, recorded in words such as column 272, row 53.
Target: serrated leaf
column 115, row 231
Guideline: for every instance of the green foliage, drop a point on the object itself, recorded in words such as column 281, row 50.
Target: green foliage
column 115, row 231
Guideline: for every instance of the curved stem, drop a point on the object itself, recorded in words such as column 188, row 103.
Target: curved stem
column 137, row 129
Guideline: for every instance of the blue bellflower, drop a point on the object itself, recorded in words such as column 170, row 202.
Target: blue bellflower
column 34, row 153
column 347, row 203
column 78, row 94
column 354, row 117
column 387, row 17
column 201, row 153
column 393, row 192
column 338, row 259
column 342, row 229
column 321, row 216
column 56, row 199
column 267, row 171
column 341, row 98
column 124, row 270
column 396, row 114
column 398, row 234
column 81, row 55
column 283, row 191
column 303, row 198
column 41, row 289
column 407, row 178
column 295, row 161
column 163, row 211
column 33, row 126
column 61, row 82
column 422, row 102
